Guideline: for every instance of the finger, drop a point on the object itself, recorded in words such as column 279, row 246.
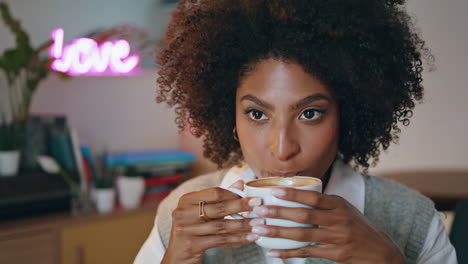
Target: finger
column 222, row 209
column 210, row 195
column 238, row 185
column 298, row 214
column 306, row 234
column 221, row 226
column 311, row 198
column 224, row 240
column 331, row 252
column 191, row 214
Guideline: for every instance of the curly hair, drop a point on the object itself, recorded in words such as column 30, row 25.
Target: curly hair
column 366, row 52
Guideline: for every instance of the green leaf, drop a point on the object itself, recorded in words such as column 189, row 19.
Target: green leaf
column 14, row 59
column 22, row 38
column 23, row 57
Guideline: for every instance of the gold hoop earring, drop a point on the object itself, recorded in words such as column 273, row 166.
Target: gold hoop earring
column 234, row 134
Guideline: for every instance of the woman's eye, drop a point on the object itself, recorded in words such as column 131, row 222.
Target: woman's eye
column 311, row 114
column 257, row 115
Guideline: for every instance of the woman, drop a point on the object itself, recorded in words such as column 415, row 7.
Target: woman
column 282, row 88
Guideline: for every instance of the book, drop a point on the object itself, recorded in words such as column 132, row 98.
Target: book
column 159, row 189
column 78, row 158
column 87, row 168
column 155, row 197
column 59, row 142
column 149, row 157
column 152, row 171
column 86, row 153
column 164, row 180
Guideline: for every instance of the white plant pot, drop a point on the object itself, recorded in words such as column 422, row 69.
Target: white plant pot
column 104, row 199
column 130, row 191
column 9, row 162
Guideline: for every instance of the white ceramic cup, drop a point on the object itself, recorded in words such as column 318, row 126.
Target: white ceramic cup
column 262, row 188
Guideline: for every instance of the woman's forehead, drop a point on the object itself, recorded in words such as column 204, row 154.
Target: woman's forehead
column 278, row 80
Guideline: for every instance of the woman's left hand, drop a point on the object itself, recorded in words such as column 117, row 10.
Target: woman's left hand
column 345, row 235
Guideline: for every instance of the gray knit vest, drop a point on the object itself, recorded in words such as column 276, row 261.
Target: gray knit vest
column 401, row 213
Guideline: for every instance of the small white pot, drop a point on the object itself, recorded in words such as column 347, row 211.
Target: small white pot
column 104, row 199
column 130, row 191
column 9, row 162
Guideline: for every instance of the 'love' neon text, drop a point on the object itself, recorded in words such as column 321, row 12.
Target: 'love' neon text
column 84, row 56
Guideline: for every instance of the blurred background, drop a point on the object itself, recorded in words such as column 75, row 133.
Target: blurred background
column 118, row 114
column 114, row 113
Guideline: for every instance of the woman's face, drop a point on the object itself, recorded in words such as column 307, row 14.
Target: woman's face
column 287, row 121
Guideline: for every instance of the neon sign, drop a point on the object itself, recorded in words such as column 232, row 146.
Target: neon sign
column 84, row 56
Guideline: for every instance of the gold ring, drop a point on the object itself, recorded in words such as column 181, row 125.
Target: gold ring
column 201, row 211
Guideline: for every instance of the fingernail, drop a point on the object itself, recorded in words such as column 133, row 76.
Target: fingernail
column 273, row 254
column 251, row 237
column 278, row 192
column 260, row 210
column 255, row 201
column 261, row 230
column 238, row 185
column 257, row 221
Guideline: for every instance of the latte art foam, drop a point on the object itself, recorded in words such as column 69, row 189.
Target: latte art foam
column 278, row 182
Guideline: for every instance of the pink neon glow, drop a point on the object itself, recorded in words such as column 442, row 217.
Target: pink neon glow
column 83, row 56
column 57, row 46
column 121, row 50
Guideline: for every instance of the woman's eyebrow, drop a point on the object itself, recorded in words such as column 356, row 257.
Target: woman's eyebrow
column 301, row 103
column 257, row 101
column 309, row 99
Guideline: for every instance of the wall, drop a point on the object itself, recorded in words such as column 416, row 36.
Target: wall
column 120, row 113
column 111, row 113
column 436, row 137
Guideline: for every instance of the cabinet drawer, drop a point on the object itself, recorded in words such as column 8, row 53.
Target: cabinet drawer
column 39, row 247
column 115, row 240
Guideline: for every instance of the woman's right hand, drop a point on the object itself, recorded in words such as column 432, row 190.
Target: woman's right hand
column 191, row 235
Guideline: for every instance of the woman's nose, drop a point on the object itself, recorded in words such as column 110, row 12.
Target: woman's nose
column 284, row 144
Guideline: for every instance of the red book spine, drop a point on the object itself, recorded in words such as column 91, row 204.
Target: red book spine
column 157, row 196
column 164, row 180
column 87, row 170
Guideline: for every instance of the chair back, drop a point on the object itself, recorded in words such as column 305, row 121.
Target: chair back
column 459, row 232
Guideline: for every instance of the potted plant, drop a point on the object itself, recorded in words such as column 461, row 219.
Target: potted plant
column 10, row 134
column 24, row 69
column 22, row 65
column 80, row 201
column 104, row 192
column 130, row 188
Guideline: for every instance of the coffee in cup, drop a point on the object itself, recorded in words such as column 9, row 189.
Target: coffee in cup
column 281, row 182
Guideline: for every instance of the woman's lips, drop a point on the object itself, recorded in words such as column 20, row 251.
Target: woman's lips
column 281, row 174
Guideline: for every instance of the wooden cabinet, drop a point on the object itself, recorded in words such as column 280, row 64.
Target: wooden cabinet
column 94, row 239
column 115, row 240
column 39, row 247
